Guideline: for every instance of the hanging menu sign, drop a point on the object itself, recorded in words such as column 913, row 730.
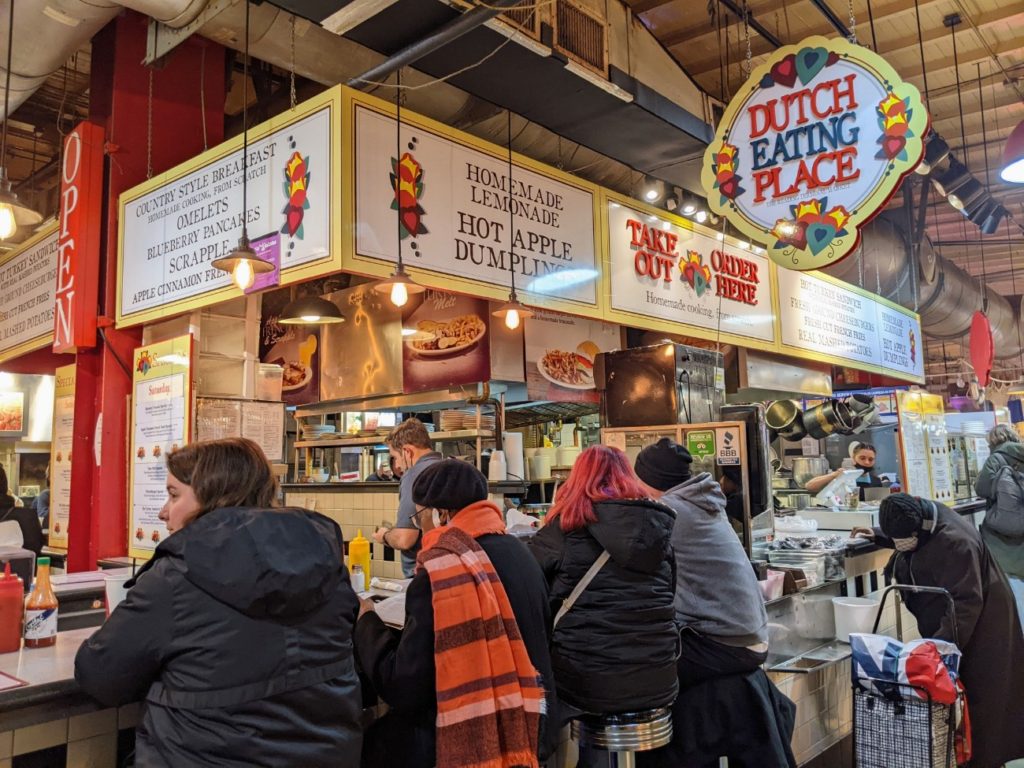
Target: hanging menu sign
column 174, row 226
column 664, row 267
column 60, row 455
column 28, row 279
column 161, row 418
column 452, row 209
column 819, row 315
column 937, row 437
column 916, row 475
column 812, row 147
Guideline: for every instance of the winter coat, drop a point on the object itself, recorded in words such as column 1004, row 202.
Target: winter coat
column 28, row 522
column 237, row 637
column 615, row 650
column 954, row 557
column 1005, row 454
column 1003, row 527
column 716, row 589
column 401, row 666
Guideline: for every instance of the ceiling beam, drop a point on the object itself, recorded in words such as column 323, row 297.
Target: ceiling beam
column 643, row 6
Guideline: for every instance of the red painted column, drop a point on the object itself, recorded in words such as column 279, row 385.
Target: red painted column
column 119, row 100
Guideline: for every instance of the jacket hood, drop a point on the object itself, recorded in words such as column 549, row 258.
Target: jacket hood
column 700, row 491
column 636, row 532
column 279, row 563
column 1014, row 452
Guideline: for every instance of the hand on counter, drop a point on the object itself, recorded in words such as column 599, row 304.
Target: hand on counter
column 366, row 605
column 864, row 533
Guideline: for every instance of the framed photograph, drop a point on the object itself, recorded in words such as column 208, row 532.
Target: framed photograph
column 12, row 414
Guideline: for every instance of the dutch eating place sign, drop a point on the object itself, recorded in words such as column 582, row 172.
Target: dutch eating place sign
column 811, row 148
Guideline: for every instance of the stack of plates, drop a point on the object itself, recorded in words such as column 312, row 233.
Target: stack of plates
column 451, row 420
column 314, row 431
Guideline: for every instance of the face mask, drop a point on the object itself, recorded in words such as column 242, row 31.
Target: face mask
column 905, row 545
column 436, row 517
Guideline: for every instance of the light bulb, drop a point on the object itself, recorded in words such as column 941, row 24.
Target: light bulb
column 8, row 226
column 310, row 318
column 243, row 274
column 399, row 294
column 701, row 217
column 512, row 319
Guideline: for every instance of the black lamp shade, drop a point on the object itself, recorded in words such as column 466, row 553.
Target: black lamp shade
column 311, row 310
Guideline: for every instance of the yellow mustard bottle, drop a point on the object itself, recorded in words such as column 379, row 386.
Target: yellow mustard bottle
column 359, row 554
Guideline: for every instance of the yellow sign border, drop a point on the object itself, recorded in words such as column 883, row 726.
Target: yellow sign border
column 870, row 205
column 373, row 267
column 60, row 541
column 179, row 346
column 330, row 100
column 44, row 339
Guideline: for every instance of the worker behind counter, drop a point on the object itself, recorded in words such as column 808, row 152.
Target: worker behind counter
column 864, row 456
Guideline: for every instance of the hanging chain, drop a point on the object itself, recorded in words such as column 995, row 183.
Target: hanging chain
column 149, row 128
column 746, row 34
column 202, row 95
column 291, row 69
column 853, row 23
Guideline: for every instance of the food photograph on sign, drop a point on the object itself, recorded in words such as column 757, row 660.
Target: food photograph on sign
column 560, row 355
column 444, row 341
column 811, row 147
column 12, row 413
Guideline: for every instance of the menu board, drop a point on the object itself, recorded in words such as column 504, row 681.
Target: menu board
column 916, row 473
column 174, row 226
column 664, row 267
column 263, row 423
column 161, row 415
column 452, row 211
column 560, row 354
column 938, row 449
column 28, row 279
column 445, row 341
column 819, row 315
column 60, row 455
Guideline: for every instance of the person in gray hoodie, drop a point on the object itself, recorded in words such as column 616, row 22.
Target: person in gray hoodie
column 718, row 603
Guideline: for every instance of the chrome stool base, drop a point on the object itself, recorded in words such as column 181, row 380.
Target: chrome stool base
column 624, row 734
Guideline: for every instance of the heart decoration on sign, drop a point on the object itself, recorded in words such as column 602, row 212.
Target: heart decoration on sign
column 809, row 62
column 819, row 236
column 784, row 72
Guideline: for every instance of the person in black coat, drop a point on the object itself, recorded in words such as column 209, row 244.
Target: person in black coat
column 615, row 649
column 935, row 547
column 237, row 635
column 27, row 520
column 401, row 665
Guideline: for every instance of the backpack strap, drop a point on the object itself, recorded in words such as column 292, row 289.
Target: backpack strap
column 581, row 585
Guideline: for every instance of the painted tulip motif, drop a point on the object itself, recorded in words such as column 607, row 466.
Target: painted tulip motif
column 695, row 272
column 913, row 347
column 727, row 181
column 894, row 116
column 810, row 228
column 407, row 181
column 296, row 185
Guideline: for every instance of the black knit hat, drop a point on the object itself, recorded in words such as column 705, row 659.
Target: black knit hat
column 663, row 465
column 900, row 515
column 450, row 484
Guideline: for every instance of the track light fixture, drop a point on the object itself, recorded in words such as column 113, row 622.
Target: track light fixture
column 652, row 189
column 936, row 155
column 967, row 195
column 991, row 223
column 952, row 178
column 672, row 199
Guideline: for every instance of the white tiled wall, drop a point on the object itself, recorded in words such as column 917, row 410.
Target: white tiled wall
column 356, row 512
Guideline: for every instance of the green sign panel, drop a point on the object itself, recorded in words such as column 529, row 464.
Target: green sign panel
column 701, row 444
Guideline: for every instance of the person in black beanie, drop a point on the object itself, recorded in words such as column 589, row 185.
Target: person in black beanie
column 400, row 666
column 935, row 547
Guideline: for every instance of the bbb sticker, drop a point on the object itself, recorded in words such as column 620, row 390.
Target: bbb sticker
column 728, row 443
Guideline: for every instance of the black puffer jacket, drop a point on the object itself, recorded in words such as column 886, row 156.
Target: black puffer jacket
column 237, row 636
column 615, row 651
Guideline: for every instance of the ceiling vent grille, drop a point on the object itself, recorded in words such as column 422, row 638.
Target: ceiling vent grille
column 526, row 20
column 581, row 35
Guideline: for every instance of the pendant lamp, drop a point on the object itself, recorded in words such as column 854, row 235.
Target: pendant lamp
column 243, row 262
column 512, row 311
column 311, row 310
column 13, row 212
column 399, row 285
column 1013, row 157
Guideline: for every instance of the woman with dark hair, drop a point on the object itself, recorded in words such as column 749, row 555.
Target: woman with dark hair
column 16, row 520
column 615, row 649
column 237, row 635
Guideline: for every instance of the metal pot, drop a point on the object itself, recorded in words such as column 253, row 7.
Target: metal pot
column 828, row 418
column 807, row 467
column 784, row 417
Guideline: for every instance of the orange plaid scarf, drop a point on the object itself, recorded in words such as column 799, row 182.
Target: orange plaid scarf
column 489, row 697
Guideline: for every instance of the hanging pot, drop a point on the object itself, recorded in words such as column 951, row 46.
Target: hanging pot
column 784, row 417
column 826, row 419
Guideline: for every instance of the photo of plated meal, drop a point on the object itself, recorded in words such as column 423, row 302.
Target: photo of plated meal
column 12, row 412
column 295, row 376
column 435, row 338
column 572, row 370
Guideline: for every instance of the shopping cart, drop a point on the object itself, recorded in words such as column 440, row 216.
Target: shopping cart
column 902, row 728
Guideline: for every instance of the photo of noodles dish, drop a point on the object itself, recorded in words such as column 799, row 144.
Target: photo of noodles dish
column 563, row 367
column 449, row 336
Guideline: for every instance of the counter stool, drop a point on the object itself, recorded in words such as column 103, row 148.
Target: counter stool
column 624, row 734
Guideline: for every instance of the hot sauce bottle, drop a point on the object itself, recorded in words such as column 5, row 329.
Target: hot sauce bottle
column 12, row 610
column 41, row 609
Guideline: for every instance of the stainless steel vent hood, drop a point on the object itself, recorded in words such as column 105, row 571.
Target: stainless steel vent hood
column 752, row 377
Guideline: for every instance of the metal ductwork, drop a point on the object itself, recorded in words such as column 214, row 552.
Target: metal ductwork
column 947, row 296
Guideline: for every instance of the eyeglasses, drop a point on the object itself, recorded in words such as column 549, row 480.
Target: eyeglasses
column 416, row 515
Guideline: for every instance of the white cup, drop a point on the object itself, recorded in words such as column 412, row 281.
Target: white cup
column 116, row 591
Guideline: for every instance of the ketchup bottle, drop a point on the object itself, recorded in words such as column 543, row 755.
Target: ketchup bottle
column 41, row 609
column 12, row 610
